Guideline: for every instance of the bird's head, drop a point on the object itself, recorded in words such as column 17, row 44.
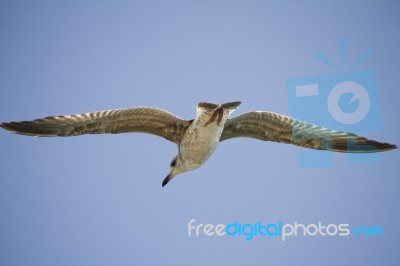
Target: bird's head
column 176, row 168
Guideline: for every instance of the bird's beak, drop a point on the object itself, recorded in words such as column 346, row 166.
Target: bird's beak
column 167, row 179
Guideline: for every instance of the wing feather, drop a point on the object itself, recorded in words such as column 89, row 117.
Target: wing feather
column 138, row 119
column 269, row 126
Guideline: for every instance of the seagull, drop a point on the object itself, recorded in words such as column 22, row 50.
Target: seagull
column 197, row 139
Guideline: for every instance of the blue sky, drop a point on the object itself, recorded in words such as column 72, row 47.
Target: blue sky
column 97, row 200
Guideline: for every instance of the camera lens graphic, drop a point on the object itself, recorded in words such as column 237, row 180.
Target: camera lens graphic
column 359, row 93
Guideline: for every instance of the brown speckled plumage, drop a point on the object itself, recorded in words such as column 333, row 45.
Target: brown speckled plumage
column 138, row 119
column 198, row 138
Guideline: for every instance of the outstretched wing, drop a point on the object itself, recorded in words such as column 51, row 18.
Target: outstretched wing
column 138, row 119
column 275, row 127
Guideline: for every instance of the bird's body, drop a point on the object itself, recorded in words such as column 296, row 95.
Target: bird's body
column 201, row 138
column 197, row 139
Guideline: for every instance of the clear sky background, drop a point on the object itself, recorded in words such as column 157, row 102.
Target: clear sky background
column 98, row 200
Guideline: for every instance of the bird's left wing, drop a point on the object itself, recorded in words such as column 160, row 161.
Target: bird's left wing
column 275, row 127
column 138, row 119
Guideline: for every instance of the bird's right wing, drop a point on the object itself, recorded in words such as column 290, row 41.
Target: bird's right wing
column 275, row 127
column 138, row 119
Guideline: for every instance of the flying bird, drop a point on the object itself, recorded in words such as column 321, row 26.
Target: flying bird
column 198, row 138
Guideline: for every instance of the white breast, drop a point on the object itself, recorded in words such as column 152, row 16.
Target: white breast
column 200, row 141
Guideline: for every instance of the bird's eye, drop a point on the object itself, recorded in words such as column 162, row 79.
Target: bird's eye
column 173, row 163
